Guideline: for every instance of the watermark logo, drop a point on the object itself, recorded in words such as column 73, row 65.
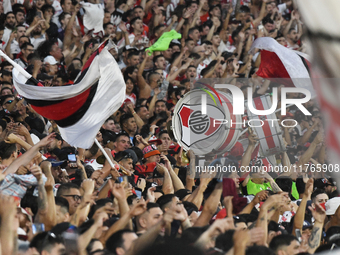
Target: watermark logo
column 239, row 101
column 210, row 120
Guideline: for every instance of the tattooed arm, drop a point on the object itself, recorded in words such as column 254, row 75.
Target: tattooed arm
column 319, row 215
column 190, row 179
column 273, row 184
column 271, row 204
column 300, row 213
column 42, row 196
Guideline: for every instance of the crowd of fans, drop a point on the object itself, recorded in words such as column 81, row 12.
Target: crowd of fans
column 57, row 199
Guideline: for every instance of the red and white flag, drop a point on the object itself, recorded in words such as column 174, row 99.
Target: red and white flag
column 278, row 63
column 80, row 109
column 323, row 31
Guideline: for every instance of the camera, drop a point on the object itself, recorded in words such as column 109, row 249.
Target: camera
column 74, row 2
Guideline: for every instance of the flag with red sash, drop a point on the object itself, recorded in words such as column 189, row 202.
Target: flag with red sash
column 80, row 109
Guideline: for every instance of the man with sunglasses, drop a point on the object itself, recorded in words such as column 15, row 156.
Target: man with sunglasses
column 8, row 103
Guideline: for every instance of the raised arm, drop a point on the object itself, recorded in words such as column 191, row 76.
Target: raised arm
column 176, row 181
column 29, row 155
column 69, row 27
column 50, row 217
column 300, row 213
column 310, row 151
column 247, row 155
column 314, row 240
column 144, row 88
column 210, row 206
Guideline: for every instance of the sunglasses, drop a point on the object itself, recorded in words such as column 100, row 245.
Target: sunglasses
column 9, row 102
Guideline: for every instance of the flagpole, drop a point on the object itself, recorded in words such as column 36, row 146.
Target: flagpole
column 109, row 159
column 16, row 66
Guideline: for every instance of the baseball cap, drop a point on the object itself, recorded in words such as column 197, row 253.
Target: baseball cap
column 150, row 167
column 332, row 205
column 133, row 155
column 182, row 193
column 23, row 211
column 322, row 183
column 154, row 139
column 55, row 163
column 108, row 136
column 150, row 150
column 51, row 60
column 156, row 174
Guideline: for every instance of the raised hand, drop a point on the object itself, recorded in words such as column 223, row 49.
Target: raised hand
column 88, row 185
column 117, row 190
column 138, row 209
column 261, row 196
column 150, row 195
column 319, row 214
column 100, row 218
column 47, row 140
column 11, row 138
column 36, row 171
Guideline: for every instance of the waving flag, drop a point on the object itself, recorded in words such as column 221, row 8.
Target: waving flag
column 324, row 37
column 80, row 109
column 164, row 41
column 278, row 62
column 93, row 18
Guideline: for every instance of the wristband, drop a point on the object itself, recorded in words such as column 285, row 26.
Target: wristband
column 150, row 133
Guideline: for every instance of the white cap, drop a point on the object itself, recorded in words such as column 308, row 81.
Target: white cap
column 51, row 60
column 332, row 205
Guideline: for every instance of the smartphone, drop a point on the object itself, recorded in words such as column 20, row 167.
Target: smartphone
column 120, row 179
column 72, row 158
column 138, row 192
column 39, row 14
column 298, row 234
column 37, row 228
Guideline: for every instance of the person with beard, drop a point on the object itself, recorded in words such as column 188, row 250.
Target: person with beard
column 10, row 23
column 54, row 146
column 292, row 39
column 37, row 33
column 20, row 16
column 291, row 34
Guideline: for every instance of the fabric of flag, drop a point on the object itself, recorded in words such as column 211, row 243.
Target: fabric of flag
column 79, row 110
column 323, row 33
column 285, row 66
column 93, row 18
column 163, row 42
